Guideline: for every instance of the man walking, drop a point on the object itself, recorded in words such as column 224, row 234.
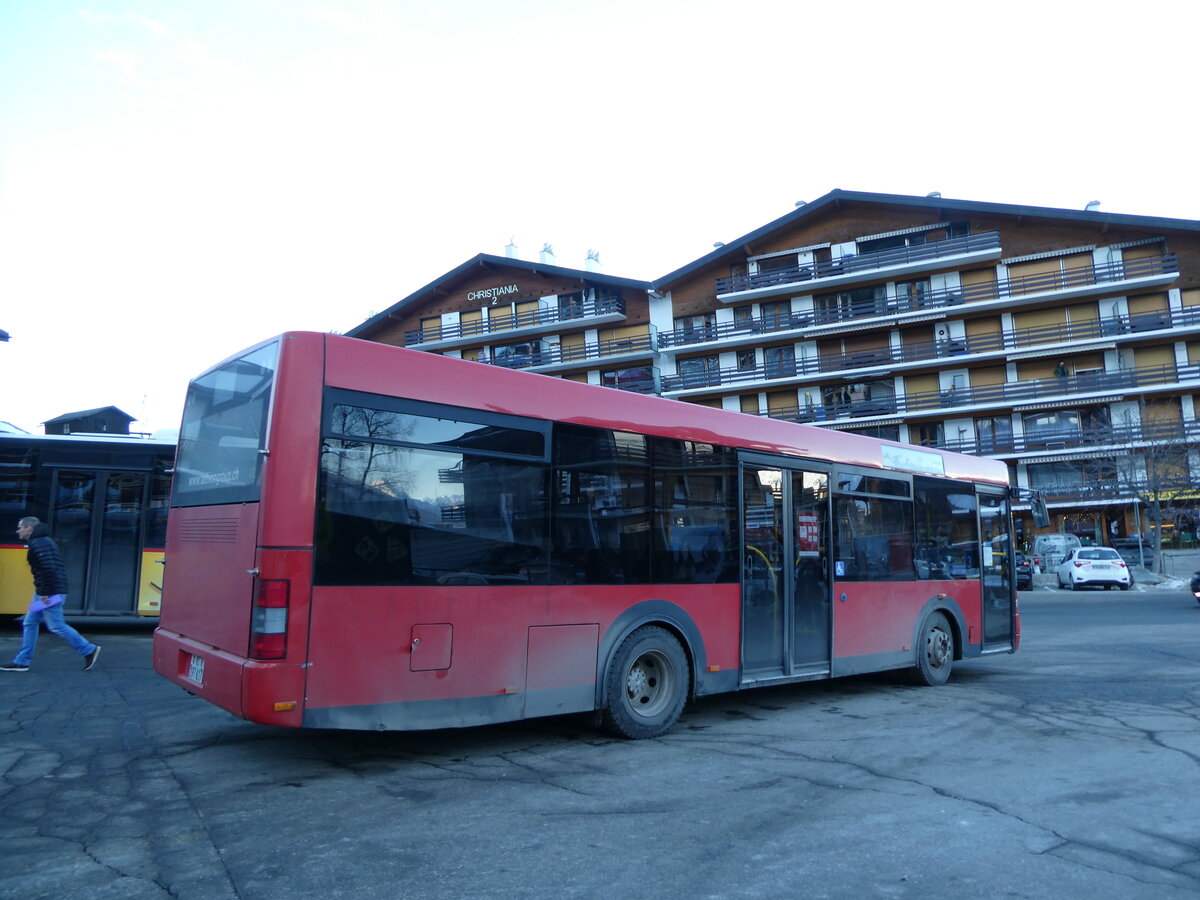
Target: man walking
column 49, row 595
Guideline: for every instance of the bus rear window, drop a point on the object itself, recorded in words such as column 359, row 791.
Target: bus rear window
column 224, row 428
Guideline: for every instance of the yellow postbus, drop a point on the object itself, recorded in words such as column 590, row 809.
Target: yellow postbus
column 105, row 500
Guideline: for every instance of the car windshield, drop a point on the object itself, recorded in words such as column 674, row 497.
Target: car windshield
column 1099, row 554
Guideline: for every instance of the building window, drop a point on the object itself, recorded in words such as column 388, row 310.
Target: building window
column 867, row 301
column 692, row 329
column 994, row 434
column 776, row 315
column 780, row 361
column 912, row 294
column 570, row 306
column 700, row 371
column 927, row 434
column 518, row 356
column 747, row 360
column 639, row 379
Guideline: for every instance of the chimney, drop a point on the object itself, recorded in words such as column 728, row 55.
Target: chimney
column 510, row 249
column 547, row 255
column 593, row 261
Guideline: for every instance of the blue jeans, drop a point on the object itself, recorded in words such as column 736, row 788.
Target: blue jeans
column 53, row 617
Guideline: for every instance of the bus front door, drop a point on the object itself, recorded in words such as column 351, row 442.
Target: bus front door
column 786, row 623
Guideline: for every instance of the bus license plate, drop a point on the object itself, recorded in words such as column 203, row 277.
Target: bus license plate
column 196, row 669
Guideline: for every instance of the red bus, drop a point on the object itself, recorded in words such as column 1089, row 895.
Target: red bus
column 367, row 537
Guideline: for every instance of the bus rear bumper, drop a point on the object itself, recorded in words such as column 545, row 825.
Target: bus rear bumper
column 270, row 693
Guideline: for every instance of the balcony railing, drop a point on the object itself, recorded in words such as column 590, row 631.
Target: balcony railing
column 1123, row 437
column 1004, row 288
column 582, row 311
column 861, row 264
column 1023, row 338
column 1124, row 381
column 642, row 345
column 1115, row 491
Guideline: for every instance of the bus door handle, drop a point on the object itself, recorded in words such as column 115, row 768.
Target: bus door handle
column 253, row 571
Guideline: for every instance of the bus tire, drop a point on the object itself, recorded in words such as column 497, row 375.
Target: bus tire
column 935, row 651
column 647, row 684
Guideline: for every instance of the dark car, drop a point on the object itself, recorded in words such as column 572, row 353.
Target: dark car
column 1196, row 586
column 1024, row 572
column 1132, row 552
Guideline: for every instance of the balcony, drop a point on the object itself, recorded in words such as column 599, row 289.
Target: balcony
column 554, row 359
column 1121, row 438
column 1056, row 391
column 1120, row 382
column 917, row 356
column 541, row 321
column 865, row 267
column 1081, row 281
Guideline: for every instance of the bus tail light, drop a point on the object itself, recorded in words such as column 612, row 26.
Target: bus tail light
column 268, row 630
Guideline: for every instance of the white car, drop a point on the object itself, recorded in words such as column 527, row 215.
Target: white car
column 1101, row 566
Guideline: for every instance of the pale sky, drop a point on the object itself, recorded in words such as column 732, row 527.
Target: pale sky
column 180, row 180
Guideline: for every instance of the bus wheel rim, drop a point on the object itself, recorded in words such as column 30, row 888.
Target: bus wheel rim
column 649, row 683
column 937, row 648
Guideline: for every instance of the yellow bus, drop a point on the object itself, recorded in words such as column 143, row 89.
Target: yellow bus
column 105, row 499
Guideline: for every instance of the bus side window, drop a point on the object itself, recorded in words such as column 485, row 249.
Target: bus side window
column 695, row 513
column 946, row 533
column 874, row 538
column 601, row 506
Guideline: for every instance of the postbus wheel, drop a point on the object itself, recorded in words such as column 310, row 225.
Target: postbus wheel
column 647, row 684
column 935, row 651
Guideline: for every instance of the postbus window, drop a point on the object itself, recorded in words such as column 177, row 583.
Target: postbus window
column 946, row 536
column 17, row 468
column 874, row 539
column 156, row 511
column 601, row 506
column 390, row 514
column 695, row 513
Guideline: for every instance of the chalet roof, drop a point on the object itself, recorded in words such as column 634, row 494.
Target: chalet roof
column 949, row 209
column 84, row 413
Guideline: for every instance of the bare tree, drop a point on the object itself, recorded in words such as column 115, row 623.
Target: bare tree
column 1156, row 470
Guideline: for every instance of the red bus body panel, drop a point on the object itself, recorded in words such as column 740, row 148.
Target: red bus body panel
column 369, row 648
column 875, row 618
column 206, row 586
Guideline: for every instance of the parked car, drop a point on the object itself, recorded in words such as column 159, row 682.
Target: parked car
column 1054, row 548
column 1133, row 551
column 1196, row 586
column 1100, row 566
column 1024, row 572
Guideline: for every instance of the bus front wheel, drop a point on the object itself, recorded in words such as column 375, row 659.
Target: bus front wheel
column 647, row 684
column 935, row 651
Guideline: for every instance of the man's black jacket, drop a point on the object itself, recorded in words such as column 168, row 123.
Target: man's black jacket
column 46, row 563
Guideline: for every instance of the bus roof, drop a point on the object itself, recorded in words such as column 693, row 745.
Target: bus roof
column 128, row 440
column 396, row 371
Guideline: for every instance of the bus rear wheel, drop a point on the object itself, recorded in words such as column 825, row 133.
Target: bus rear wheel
column 935, row 651
column 647, row 684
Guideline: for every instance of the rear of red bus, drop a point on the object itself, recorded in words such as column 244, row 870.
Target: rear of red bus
column 233, row 628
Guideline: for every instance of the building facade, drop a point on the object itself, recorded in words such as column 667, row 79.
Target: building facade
column 1066, row 343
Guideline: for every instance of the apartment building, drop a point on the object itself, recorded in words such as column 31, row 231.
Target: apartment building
column 1065, row 342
